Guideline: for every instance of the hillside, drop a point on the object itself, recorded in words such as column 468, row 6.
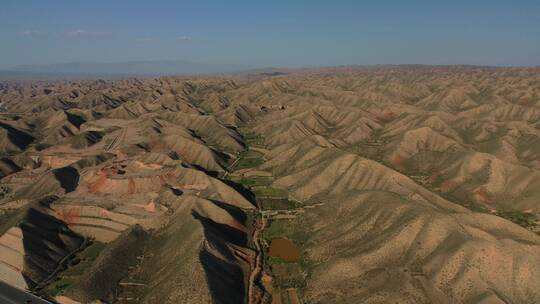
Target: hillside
column 390, row 184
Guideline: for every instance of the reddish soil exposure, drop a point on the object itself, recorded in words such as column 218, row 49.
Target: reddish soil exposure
column 100, row 182
column 385, row 117
column 131, row 186
column 398, row 161
column 69, row 215
column 236, row 224
column 293, row 296
column 482, row 196
column 284, row 249
column 395, row 179
column 449, row 186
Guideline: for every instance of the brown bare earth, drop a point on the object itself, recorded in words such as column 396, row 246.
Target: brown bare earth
column 387, row 184
column 284, row 249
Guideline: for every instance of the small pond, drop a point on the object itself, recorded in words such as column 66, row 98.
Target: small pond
column 284, row 249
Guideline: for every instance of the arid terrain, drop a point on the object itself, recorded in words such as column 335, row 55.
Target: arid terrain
column 384, row 184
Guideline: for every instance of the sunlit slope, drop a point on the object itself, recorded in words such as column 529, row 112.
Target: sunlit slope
column 410, row 184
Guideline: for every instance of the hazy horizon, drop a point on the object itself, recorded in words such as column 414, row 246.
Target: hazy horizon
column 247, row 67
column 299, row 34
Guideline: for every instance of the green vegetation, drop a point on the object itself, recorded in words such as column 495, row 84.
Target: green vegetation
column 421, row 179
column 92, row 252
column 255, row 181
column 524, row 219
column 249, row 159
column 473, row 207
column 251, row 154
column 276, row 229
column 287, row 275
column 254, row 140
column 269, row 192
column 278, row 204
column 84, row 259
column 245, row 163
column 483, row 96
column 79, row 264
column 269, row 197
column 59, row 286
column 288, row 229
column 7, row 154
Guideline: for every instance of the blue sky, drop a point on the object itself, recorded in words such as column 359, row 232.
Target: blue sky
column 272, row 33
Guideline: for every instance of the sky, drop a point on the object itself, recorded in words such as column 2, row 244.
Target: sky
column 275, row 33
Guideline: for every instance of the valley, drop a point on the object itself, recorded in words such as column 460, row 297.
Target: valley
column 409, row 184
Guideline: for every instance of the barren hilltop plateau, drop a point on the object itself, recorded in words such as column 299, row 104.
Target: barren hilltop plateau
column 384, row 184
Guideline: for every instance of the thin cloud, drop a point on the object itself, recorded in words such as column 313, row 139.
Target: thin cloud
column 147, row 39
column 82, row 34
column 31, row 33
column 183, row 38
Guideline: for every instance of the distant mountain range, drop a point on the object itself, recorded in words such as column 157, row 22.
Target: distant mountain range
column 162, row 67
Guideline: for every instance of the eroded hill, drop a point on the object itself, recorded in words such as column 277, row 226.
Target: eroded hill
column 375, row 185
